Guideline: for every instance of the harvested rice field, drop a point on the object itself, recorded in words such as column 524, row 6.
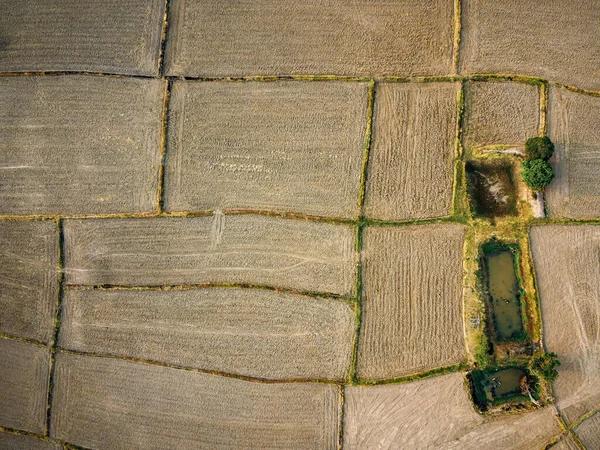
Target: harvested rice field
column 260, row 224
column 411, row 173
column 412, row 300
column 572, row 126
column 568, row 275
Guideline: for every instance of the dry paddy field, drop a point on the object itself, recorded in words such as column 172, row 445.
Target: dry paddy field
column 412, row 300
column 500, row 113
column 556, row 40
column 332, row 37
column 566, row 443
column 411, row 167
column 247, row 249
column 568, row 275
column 293, row 146
column 436, row 413
column 11, row 441
column 573, row 127
column 106, row 403
column 257, row 333
column 588, row 432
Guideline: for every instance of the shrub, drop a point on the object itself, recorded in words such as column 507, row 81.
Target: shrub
column 539, row 148
column 545, row 366
column 536, row 173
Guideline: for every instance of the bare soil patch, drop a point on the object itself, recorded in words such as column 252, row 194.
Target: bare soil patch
column 411, row 172
column 500, row 113
column 252, row 332
column 23, row 385
column 79, row 144
column 98, row 36
column 436, row 413
column 333, row 37
column 412, row 300
column 573, row 127
column 553, row 40
column 28, row 279
column 106, row 403
column 566, row 264
column 292, row 146
column 249, row 249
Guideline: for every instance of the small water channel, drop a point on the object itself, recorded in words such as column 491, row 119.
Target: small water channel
column 504, row 295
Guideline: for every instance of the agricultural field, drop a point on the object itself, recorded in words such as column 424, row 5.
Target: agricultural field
column 412, row 300
column 23, row 385
column 79, row 144
column 299, row 225
column 405, row 416
column 566, row 265
column 553, row 40
column 334, row 37
column 28, row 279
column 183, row 409
column 99, row 36
column 261, row 250
column 500, row 113
column 258, row 333
column 572, row 126
column 292, row 146
column 410, row 175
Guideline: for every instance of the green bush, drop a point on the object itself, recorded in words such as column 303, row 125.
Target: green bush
column 536, row 173
column 539, row 148
column 545, row 366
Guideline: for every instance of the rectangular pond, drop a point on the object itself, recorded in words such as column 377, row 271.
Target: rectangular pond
column 491, row 188
column 504, row 295
column 496, row 385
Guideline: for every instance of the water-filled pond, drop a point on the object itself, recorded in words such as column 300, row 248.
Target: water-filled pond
column 504, row 294
column 491, row 189
column 499, row 384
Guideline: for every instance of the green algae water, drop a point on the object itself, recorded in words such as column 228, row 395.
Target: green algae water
column 496, row 385
column 503, row 290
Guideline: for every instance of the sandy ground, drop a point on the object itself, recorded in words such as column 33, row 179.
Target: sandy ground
column 28, row 279
column 105, row 403
column 294, row 146
column 98, row 36
column 568, row 278
column 436, row 413
column 572, row 126
column 79, row 144
column 23, row 385
column 252, row 332
column 554, row 39
column 412, row 300
column 500, row 113
column 261, row 250
column 410, row 173
column 254, row 37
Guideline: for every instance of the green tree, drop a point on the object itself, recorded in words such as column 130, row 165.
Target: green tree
column 539, row 148
column 545, row 366
column 536, row 173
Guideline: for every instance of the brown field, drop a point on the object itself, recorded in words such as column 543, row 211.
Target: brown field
column 98, row 36
column 79, row 144
column 589, row 432
column 553, row 40
column 294, row 146
column 565, row 443
column 106, row 403
column 436, row 413
column 336, row 37
column 573, row 127
column 412, row 300
column 566, row 264
column 23, row 385
column 250, row 332
column 500, row 113
column 411, row 173
column 10, row 441
column 251, row 249
column 28, row 279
